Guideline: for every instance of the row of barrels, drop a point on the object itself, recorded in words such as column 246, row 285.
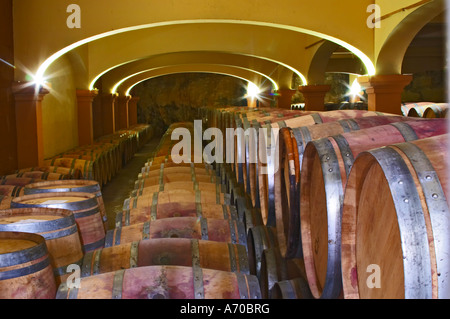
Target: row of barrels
column 45, row 233
column 178, row 237
column 351, row 191
column 425, row 110
column 51, row 218
column 98, row 162
column 101, row 160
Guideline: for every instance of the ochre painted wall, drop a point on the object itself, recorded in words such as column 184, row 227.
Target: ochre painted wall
column 59, row 111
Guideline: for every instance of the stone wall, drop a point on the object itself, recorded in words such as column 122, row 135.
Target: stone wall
column 177, row 97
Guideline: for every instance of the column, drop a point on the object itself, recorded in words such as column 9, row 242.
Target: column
column 251, row 101
column 28, row 107
column 122, row 105
column 314, row 96
column 132, row 111
column 284, row 98
column 85, row 116
column 108, row 113
column 384, row 92
column 265, row 99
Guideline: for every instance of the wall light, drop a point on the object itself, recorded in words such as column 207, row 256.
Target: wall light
column 253, row 90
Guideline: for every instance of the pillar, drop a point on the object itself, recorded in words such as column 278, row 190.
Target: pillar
column 314, row 96
column 28, row 105
column 122, row 105
column 85, row 116
column 284, row 98
column 108, row 113
column 384, row 92
column 251, row 101
column 265, row 99
column 132, row 111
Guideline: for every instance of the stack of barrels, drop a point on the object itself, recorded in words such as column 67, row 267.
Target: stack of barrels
column 45, row 235
column 179, row 236
column 352, row 203
column 102, row 160
column 425, row 109
column 53, row 216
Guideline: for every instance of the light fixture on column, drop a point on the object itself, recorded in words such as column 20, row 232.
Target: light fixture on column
column 355, row 91
column 253, row 90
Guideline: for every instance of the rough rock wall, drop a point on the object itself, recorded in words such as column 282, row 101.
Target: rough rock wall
column 177, row 97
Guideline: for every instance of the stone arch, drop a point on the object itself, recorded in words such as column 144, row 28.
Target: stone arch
column 390, row 56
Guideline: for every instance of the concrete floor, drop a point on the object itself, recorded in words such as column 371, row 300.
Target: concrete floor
column 119, row 188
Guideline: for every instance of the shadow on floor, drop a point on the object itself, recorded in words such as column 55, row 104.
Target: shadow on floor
column 119, row 188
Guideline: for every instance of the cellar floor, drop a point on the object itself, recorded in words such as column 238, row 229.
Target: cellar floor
column 119, row 188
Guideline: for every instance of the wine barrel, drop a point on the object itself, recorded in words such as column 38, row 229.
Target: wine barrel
column 156, row 163
column 83, row 186
column 438, row 110
column 73, row 173
column 142, row 204
column 84, row 166
column 292, row 144
column 326, row 165
column 401, row 241
column 46, row 176
column 25, row 270
column 291, row 289
column 164, row 282
column 5, row 202
column 175, row 209
column 276, row 268
column 415, row 108
column 189, row 185
column 167, row 251
column 84, row 207
column 250, row 216
column 221, row 230
column 246, row 133
column 177, row 169
column 57, row 226
column 176, row 177
column 19, row 181
column 268, row 143
column 11, row 190
column 259, row 238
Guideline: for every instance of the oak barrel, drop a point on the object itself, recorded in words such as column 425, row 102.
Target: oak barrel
column 57, row 226
column 326, row 165
column 145, row 202
column 438, row 110
column 296, row 288
column 259, row 238
column 175, row 209
column 83, row 186
column 400, row 243
column 269, row 155
column 164, row 282
column 292, row 144
column 167, row 251
column 276, row 268
column 85, row 210
column 222, row 230
column 25, row 269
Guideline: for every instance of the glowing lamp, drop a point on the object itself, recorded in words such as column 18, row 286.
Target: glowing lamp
column 253, row 90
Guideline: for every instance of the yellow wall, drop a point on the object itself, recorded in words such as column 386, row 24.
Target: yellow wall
column 59, row 113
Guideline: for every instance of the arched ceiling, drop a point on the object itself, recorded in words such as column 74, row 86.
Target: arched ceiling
column 254, row 67
column 247, row 75
column 118, row 39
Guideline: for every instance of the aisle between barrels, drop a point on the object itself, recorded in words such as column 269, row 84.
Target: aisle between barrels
column 120, row 187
